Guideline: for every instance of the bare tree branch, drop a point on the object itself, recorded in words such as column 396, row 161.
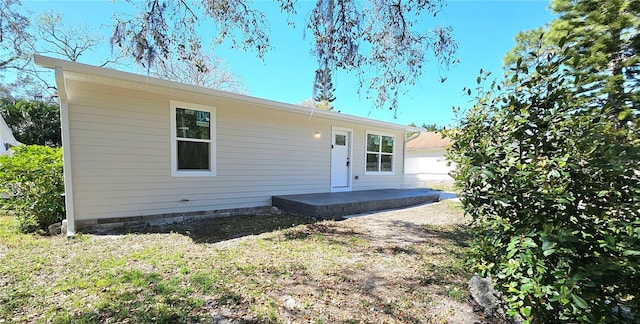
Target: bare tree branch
column 49, row 35
column 13, row 34
column 203, row 70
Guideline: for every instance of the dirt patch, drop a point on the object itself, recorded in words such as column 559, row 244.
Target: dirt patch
column 378, row 279
column 400, row 232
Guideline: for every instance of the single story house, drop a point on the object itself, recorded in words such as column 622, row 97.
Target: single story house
column 139, row 148
column 425, row 158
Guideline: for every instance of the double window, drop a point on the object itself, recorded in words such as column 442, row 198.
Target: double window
column 380, row 153
column 192, row 140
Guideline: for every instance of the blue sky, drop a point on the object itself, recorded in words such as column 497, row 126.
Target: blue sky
column 484, row 30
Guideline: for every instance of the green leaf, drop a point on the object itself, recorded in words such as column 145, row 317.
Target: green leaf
column 487, row 173
column 546, row 244
column 530, row 243
column 578, row 301
column 526, row 287
column 623, row 115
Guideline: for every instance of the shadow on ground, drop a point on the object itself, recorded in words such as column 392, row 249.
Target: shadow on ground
column 215, row 230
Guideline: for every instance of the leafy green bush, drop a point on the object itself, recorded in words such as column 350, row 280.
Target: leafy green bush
column 32, row 178
column 552, row 182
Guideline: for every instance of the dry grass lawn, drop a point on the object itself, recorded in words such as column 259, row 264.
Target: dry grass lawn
column 402, row 266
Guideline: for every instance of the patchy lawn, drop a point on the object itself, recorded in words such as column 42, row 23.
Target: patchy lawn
column 442, row 185
column 392, row 267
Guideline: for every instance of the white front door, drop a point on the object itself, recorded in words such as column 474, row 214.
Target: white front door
column 340, row 160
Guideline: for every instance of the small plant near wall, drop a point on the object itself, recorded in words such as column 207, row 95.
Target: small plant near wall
column 33, row 182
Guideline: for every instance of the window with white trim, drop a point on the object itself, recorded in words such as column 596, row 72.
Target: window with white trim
column 193, row 144
column 380, row 153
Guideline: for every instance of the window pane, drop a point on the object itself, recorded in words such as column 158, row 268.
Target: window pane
column 373, row 143
column 341, row 139
column 372, row 162
column 386, row 163
column 387, row 144
column 193, row 123
column 193, row 156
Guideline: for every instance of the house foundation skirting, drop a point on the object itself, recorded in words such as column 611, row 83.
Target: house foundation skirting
column 97, row 226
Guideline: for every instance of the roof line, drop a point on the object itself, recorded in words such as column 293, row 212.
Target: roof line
column 52, row 63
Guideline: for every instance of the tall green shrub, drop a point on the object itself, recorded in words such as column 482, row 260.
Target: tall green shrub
column 552, row 182
column 32, row 179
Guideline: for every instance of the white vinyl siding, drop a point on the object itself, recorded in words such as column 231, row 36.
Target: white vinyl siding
column 423, row 166
column 120, row 150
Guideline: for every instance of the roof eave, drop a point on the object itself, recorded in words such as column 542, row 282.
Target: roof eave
column 53, row 63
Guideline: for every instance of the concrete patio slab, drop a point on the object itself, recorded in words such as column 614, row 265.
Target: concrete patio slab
column 335, row 205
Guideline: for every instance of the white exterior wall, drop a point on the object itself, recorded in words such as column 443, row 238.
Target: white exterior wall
column 428, row 165
column 120, row 152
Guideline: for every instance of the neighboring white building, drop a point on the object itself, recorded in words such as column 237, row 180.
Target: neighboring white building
column 138, row 148
column 6, row 138
column 425, row 158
